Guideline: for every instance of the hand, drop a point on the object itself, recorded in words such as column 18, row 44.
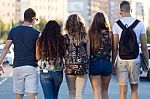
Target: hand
column 146, row 70
column 1, row 69
column 114, row 69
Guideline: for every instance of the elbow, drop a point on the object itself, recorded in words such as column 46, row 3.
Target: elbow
column 38, row 57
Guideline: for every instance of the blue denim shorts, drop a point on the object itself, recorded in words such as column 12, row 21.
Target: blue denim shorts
column 100, row 67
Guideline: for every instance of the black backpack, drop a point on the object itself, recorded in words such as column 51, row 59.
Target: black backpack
column 128, row 45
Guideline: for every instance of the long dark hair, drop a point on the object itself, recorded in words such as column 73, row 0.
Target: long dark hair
column 51, row 42
column 95, row 31
column 74, row 25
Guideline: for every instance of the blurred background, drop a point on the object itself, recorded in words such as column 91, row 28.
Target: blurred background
column 11, row 12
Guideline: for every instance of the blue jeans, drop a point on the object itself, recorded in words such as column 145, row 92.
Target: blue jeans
column 51, row 82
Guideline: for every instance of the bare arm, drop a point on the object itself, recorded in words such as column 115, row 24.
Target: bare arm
column 144, row 48
column 88, row 46
column 38, row 56
column 4, row 52
column 115, row 41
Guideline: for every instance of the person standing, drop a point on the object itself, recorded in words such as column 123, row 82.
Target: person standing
column 25, row 75
column 128, row 70
column 76, row 44
column 100, row 68
column 50, row 51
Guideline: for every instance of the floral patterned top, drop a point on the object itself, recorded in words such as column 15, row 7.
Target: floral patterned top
column 56, row 65
column 104, row 51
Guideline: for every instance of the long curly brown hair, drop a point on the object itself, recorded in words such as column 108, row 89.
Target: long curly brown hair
column 95, row 32
column 51, row 42
column 74, row 26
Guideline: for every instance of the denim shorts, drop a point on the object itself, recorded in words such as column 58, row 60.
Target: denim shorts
column 100, row 67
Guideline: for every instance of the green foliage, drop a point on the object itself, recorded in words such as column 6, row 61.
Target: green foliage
column 4, row 29
column 41, row 24
column 148, row 35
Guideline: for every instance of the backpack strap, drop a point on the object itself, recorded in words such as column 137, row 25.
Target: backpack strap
column 134, row 24
column 121, row 25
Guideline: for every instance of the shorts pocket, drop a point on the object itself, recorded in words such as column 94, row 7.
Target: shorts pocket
column 44, row 76
column 121, row 66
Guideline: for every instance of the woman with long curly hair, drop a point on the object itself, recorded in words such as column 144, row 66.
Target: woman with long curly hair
column 77, row 36
column 50, row 51
column 100, row 68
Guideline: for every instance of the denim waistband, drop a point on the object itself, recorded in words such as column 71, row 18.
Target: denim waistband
column 100, row 60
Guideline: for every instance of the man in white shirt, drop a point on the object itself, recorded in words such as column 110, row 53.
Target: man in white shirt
column 128, row 70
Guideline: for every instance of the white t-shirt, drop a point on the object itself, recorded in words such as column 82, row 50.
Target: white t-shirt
column 139, row 29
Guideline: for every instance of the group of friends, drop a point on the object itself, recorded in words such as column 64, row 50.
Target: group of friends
column 49, row 49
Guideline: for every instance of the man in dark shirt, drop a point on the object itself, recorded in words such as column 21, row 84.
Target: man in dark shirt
column 25, row 76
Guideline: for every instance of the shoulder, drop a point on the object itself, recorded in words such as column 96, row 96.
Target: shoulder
column 66, row 38
column 15, row 28
column 115, row 25
column 36, row 31
column 115, row 28
column 141, row 24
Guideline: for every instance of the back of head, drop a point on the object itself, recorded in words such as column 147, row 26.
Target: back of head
column 52, row 29
column 51, row 41
column 29, row 14
column 95, row 32
column 74, row 25
column 125, row 6
column 99, row 23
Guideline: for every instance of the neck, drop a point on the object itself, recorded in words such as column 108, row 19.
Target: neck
column 126, row 15
column 25, row 23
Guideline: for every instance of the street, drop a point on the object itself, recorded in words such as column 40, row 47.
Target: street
column 7, row 93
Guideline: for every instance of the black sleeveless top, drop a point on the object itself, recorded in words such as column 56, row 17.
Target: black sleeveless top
column 104, row 51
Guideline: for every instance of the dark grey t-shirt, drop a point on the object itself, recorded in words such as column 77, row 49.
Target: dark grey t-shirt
column 24, row 40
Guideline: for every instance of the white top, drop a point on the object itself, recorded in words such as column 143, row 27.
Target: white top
column 139, row 29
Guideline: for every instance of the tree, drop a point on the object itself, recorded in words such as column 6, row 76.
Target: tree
column 4, row 29
column 148, row 35
column 41, row 24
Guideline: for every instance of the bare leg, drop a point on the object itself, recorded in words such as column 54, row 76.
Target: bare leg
column 134, row 91
column 105, row 85
column 123, row 91
column 19, row 96
column 96, row 86
column 80, row 86
column 32, row 95
column 70, row 79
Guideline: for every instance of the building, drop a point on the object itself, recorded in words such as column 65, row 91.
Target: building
column 88, row 8
column 140, row 10
column 7, row 10
column 47, row 9
column 99, row 6
column 114, row 10
column 79, row 6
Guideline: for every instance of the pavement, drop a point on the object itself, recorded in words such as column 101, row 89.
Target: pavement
column 6, row 88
